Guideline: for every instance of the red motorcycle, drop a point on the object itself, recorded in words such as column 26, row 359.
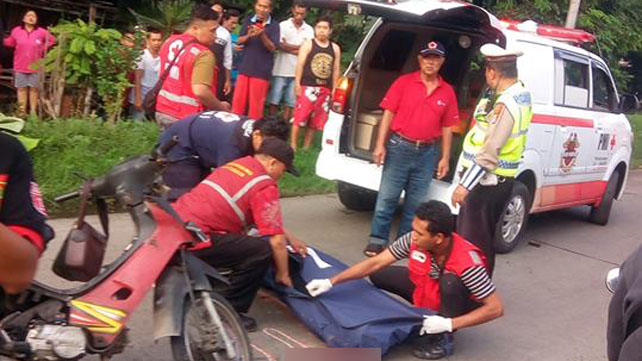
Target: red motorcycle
column 44, row 323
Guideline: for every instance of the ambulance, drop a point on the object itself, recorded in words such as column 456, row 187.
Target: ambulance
column 579, row 144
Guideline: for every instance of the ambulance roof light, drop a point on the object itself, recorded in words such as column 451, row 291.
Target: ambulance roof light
column 549, row 31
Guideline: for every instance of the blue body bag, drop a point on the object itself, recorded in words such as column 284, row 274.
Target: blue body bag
column 354, row 314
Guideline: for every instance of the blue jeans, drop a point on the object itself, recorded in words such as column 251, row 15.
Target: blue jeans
column 408, row 168
column 282, row 89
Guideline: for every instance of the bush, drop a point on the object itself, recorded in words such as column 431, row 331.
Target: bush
column 636, row 124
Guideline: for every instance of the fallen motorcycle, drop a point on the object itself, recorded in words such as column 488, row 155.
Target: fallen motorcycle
column 44, row 323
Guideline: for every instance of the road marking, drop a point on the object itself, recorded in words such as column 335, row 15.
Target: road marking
column 279, row 335
column 264, row 353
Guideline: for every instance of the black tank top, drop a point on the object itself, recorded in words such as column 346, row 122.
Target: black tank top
column 319, row 66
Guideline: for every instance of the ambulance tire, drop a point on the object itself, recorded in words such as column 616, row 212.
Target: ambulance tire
column 513, row 220
column 356, row 198
column 600, row 214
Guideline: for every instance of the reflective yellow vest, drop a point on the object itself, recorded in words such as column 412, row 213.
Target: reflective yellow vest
column 517, row 101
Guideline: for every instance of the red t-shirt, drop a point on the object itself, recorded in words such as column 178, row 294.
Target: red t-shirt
column 419, row 116
column 260, row 205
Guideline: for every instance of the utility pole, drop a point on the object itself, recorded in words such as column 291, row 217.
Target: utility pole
column 573, row 10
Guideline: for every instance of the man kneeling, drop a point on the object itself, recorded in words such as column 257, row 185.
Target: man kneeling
column 445, row 273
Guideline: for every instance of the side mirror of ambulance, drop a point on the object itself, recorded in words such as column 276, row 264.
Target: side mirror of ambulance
column 629, row 103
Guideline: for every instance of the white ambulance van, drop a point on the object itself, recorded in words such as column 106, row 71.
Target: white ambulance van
column 579, row 143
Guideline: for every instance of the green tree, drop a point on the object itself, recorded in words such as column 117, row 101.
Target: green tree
column 168, row 16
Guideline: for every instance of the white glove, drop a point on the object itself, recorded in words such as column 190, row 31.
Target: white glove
column 436, row 324
column 317, row 287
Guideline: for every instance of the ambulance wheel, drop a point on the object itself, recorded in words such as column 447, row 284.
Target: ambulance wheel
column 512, row 223
column 600, row 214
column 356, row 198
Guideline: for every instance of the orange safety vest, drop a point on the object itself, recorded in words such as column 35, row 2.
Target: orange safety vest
column 462, row 256
column 176, row 97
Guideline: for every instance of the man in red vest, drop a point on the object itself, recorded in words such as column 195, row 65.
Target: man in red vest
column 445, row 273
column 190, row 86
column 235, row 197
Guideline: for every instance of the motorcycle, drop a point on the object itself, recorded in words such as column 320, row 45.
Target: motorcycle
column 44, row 323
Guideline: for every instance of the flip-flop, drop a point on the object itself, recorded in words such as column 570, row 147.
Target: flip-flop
column 373, row 249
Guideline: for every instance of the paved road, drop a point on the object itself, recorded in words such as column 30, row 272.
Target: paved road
column 552, row 284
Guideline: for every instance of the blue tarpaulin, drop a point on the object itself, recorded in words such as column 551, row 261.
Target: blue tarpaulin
column 351, row 314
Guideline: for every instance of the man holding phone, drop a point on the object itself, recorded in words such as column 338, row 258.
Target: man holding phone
column 260, row 34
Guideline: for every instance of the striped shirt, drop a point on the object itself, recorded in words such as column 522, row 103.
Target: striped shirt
column 476, row 278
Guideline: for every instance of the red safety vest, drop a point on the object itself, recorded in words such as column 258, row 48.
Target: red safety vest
column 221, row 203
column 176, row 97
column 462, row 256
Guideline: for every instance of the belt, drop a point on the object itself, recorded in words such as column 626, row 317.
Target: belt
column 416, row 143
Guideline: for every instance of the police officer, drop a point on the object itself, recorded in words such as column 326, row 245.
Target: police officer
column 445, row 273
column 209, row 140
column 492, row 150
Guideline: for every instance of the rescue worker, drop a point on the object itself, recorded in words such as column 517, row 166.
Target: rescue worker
column 209, row 140
column 234, row 197
column 492, row 150
column 445, row 273
column 190, row 85
column 23, row 231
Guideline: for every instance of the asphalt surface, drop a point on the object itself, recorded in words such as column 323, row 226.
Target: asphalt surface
column 552, row 284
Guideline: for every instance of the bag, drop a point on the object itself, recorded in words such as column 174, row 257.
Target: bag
column 149, row 102
column 82, row 253
column 354, row 314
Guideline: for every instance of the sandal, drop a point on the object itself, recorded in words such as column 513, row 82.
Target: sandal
column 373, row 249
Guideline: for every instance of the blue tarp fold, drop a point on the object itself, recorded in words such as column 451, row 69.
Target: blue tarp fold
column 352, row 314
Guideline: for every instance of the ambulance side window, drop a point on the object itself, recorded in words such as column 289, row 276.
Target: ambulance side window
column 571, row 82
column 603, row 93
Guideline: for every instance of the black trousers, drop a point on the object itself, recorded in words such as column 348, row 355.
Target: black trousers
column 454, row 296
column 246, row 258
column 477, row 220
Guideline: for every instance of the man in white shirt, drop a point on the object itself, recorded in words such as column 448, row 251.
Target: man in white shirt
column 222, row 49
column 294, row 32
column 146, row 74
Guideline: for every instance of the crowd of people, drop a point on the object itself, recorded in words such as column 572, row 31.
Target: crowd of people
column 210, row 66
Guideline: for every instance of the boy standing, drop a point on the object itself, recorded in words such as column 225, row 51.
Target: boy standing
column 317, row 73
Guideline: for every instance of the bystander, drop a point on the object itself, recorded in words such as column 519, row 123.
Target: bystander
column 294, row 32
column 260, row 36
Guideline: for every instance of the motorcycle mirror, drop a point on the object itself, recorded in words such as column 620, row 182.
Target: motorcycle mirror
column 612, row 279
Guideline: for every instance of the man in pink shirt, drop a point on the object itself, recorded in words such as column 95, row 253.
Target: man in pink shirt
column 30, row 43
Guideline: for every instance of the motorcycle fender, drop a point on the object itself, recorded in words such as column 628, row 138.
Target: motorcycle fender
column 169, row 301
column 200, row 273
column 172, row 290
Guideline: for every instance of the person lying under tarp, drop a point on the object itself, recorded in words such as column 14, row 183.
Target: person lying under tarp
column 445, row 273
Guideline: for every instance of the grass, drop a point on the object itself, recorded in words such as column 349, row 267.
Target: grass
column 91, row 147
column 636, row 124
column 308, row 183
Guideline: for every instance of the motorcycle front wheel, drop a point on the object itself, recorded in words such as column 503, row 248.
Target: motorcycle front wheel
column 201, row 340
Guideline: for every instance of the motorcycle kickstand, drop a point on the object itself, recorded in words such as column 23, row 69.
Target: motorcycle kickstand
column 209, row 305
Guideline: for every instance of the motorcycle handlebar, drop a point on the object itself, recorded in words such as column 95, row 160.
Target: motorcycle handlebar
column 163, row 149
column 66, row 197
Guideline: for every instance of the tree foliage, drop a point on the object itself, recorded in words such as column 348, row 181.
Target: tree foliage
column 168, row 16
